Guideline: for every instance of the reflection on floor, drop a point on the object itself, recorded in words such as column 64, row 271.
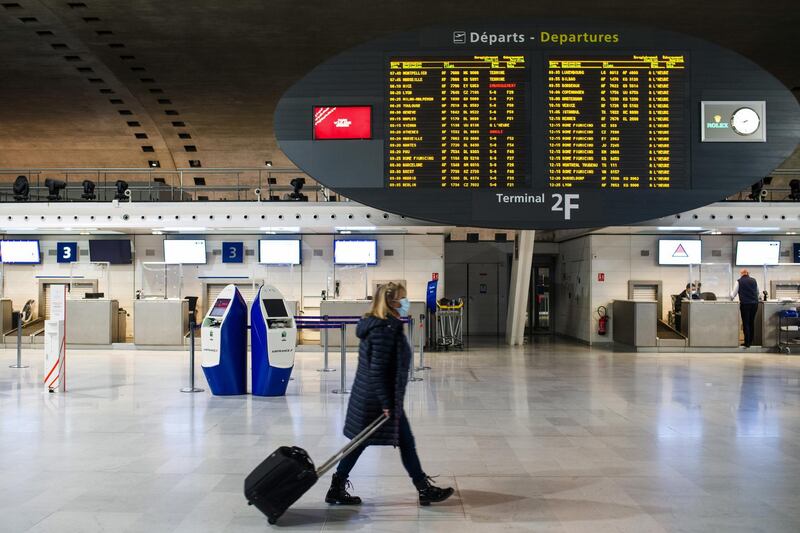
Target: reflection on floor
column 549, row 437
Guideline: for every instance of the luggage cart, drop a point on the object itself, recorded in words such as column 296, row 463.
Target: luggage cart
column 449, row 324
column 788, row 331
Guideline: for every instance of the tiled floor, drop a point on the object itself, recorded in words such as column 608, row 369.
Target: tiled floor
column 550, row 437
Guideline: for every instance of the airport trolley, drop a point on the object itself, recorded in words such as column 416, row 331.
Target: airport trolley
column 788, row 331
column 449, row 324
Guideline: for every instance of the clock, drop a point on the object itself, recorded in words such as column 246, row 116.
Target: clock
column 745, row 121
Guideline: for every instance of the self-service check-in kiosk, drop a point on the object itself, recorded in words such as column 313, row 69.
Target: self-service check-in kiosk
column 273, row 338
column 224, row 343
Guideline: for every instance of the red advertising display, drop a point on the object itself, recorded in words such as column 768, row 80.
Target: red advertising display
column 343, row 122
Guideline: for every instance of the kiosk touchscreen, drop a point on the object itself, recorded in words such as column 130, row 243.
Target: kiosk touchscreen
column 273, row 338
column 224, row 343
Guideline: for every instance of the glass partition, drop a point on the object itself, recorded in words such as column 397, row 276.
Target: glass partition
column 782, row 281
column 711, row 281
column 161, row 281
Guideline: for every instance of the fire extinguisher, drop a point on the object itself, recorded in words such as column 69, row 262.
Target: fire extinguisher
column 602, row 324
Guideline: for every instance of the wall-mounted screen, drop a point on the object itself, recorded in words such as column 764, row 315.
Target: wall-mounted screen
column 355, row 252
column 756, row 253
column 114, row 251
column 679, row 252
column 275, row 308
column 21, row 252
column 219, row 307
column 343, row 122
column 185, row 252
column 279, row 252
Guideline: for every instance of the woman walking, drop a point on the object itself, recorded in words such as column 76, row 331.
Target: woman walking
column 384, row 356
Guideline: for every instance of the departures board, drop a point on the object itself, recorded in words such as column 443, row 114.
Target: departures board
column 537, row 124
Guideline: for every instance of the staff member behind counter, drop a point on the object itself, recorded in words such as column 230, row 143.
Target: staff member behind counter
column 747, row 289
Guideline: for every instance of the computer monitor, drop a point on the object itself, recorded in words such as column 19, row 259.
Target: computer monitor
column 279, row 252
column 355, row 252
column 185, row 252
column 758, row 253
column 20, row 252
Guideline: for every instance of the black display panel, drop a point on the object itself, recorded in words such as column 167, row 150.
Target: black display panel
column 115, row 251
column 618, row 122
column 274, row 308
column 613, row 124
column 457, row 122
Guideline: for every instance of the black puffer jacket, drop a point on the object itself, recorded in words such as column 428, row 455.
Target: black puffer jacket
column 384, row 357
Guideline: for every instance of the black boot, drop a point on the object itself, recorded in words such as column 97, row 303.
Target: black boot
column 430, row 493
column 338, row 494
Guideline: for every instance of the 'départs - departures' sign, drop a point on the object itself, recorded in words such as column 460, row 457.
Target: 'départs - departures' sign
column 561, row 124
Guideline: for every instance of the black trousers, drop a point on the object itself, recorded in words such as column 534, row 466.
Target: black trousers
column 748, row 312
column 408, row 454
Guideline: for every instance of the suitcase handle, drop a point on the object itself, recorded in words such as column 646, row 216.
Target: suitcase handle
column 357, row 441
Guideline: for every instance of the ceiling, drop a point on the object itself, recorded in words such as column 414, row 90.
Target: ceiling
column 112, row 83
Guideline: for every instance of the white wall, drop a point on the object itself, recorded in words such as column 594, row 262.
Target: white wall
column 414, row 259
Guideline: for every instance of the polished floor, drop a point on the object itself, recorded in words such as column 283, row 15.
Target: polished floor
column 550, row 437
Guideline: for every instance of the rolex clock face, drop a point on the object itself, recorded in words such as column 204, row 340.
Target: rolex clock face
column 745, row 121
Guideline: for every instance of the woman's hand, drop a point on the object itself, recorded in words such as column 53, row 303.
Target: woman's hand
column 387, row 412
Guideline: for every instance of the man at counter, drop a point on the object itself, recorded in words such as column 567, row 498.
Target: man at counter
column 747, row 289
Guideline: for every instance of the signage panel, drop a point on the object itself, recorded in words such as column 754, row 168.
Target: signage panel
column 539, row 124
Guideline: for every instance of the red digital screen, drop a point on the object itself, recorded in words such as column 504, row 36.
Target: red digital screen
column 343, row 122
column 219, row 307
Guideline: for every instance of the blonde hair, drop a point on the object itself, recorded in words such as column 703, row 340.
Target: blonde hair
column 384, row 295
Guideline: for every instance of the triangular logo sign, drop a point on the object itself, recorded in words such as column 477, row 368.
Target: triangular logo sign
column 680, row 251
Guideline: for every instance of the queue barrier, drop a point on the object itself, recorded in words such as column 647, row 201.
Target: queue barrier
column 325, row 323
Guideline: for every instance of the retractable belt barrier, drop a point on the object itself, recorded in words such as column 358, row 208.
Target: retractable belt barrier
column 326, row 322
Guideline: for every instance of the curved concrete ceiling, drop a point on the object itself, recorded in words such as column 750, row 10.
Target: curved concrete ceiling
column 117, row 83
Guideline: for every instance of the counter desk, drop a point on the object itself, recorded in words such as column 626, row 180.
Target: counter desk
column 710, row 324
column 334, row 308
column 92, row 321
column 635, row 322
column 6, row 311
column 767, row 319
column 160, row 322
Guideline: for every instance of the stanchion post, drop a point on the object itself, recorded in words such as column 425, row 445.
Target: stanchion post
column 324, row 333
column 411, row 376
column 191, row 387
column 423, row 323
column 18, row 316
column 343, row 369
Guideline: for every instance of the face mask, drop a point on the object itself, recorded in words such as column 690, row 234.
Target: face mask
column 405, row 305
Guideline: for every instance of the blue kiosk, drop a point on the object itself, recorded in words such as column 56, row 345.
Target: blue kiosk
column 224, row 343
column 273, row 339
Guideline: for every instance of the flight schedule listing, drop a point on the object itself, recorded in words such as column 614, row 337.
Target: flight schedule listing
column 617, row 122
column 457, row 122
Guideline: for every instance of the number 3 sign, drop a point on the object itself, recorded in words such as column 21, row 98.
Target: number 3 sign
column 233, row 252
column 66, row 252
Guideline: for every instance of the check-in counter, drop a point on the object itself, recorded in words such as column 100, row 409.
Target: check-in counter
column 767, row 319
column 160, row 322
column 710, row 324
column 635, row 322
column 6, row 311
column 334, row 308
column 92, row 321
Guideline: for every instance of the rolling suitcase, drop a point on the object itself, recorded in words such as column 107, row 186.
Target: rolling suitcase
column 283, row 477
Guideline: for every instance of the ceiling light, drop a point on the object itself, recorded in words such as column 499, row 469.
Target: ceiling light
column 756, row 230
column 185, row 229
column 280, row 229
column 680, row 228
column 350, row 229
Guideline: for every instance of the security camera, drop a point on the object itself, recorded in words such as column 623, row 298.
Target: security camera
column 128, row 193
column 257, row 192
